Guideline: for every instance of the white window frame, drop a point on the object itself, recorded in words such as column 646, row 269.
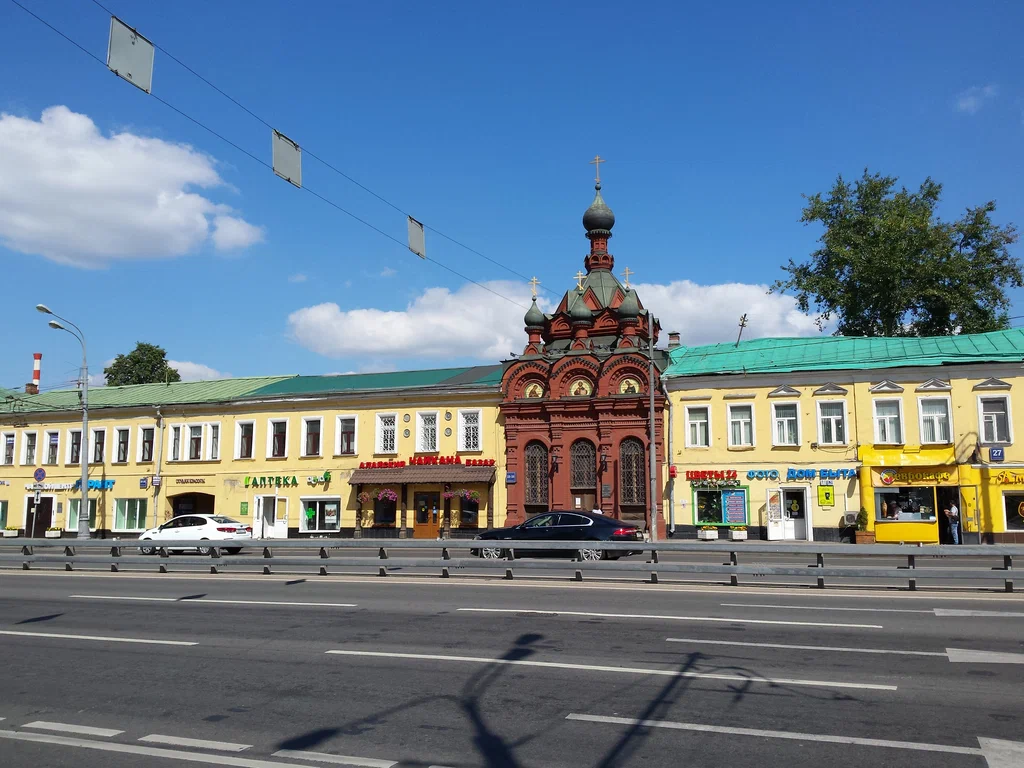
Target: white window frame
column 170, row 442
column 846, row 423
column 67, row 515
column 68, row 445
column 208, row 452
column 47, row 433
column 355, row 434
column 379, row 434
column 687, row 441
column 92, row 445
column 3, row 449
column 270, row 437
column 753, row 425
column 462, row 429
column 114, row 445
column 140, row 439
column 113, row 523
column 187, row 434
column 902, row 421
column 949, row 416
column 24, row 448
column 981, row 420
column 420, row 448
column 775, row 436
column 305, row 433
column 238, row 439
column 302, row 512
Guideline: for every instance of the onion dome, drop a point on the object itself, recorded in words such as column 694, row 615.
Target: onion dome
column 580, row 312
column 629, row 309
column 534, row 317
column 598, row 217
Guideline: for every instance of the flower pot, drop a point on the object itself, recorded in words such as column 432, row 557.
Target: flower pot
column 864, row 537
column 10, row 534
column 707, row 535
column 735, row 535
column 53, row 534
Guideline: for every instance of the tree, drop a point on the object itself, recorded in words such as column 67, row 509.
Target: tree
column 146, row 364
column 888, row 266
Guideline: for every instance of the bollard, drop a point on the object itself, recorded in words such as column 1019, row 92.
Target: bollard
column 324, row 554
column 911, row 565
column 734, row 579
column 579, row 575
column 821, row 564
column 1008, row 565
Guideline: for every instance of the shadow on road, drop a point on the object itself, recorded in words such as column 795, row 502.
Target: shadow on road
column 35, row 619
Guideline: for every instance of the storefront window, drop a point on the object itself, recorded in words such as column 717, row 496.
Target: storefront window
column 1013, row 504
column 725, row 507
column 73, row 506
column 469, row 513
column 905, row 504
column 320, row 515
column 384, row 512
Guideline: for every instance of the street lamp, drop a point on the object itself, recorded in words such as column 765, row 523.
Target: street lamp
column 83, row 452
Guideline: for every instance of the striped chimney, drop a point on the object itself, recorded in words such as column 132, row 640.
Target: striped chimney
column 32, row 388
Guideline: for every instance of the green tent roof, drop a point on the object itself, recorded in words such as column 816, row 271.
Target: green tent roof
column 477, row 376
column 844, row 353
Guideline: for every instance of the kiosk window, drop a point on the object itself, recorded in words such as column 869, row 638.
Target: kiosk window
column 1013, row 503
column 905, row 504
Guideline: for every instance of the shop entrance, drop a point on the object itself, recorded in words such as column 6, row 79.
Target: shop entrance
column 788, row 514
column 427, row 524
column 38, row 517
column 192, row 504
column 270, row 518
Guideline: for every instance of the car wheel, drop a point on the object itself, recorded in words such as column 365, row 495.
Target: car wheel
column 232, row 550
column 493, row 553
column 591, row 555
column 149, row 550
column 204, row 550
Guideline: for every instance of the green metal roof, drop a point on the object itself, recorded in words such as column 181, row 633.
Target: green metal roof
column 602, row 282
column 479, row 376
column 845, row 353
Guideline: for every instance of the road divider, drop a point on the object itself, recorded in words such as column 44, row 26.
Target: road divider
column 98, row 638
column 662, row 617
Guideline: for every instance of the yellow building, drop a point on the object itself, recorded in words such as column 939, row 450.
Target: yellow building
column 399, row 453
column 793, row 437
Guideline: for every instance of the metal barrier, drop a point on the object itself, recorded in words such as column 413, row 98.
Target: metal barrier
column 114, row 553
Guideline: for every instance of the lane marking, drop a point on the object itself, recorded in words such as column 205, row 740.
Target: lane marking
column 672, row 618
column 806, row 647
column 983, row 657
column 825, row 608
column 625, row 670
column 224, row 746
column 1002, row 754
column 101, row 638
column 84, row 730
column 185, row 601
column 327, row 757
column 134, row 749
column 951, row 612
column 795, row 736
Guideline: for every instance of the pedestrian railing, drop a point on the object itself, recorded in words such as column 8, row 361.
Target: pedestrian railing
column 987, row 563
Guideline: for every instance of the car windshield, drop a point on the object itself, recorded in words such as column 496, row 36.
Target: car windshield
column 222, row 519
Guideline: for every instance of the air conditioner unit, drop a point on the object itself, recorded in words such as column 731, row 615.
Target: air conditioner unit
column 850, row 518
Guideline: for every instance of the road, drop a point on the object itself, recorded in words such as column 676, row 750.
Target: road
column 260, row 671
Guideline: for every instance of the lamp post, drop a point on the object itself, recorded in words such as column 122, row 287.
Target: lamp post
column 83, row 451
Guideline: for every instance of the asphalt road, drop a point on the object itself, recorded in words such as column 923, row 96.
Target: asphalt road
column 117, row 669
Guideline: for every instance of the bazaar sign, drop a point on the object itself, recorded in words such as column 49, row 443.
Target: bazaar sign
column 426, row 461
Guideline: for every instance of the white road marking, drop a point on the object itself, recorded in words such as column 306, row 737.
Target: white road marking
column 806, row 647
column 84, row 730
column 795, row 736
column 824, row 608
column 983, row 657
column 626, row 670
column 178, row 741
column 950, row 612
column 672, row 618
column 101, row 638
column 134, row 749
column 1002, row 754
column 183, row 601
column 326, row 757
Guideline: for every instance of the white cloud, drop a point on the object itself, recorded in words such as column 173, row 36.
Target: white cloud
column 471, row 323
column 196, row 371
column 974, row 98
column 75, row 196
column 388, row 272
column 297, row 278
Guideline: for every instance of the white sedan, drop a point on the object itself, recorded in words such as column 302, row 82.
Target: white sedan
column 196, row 528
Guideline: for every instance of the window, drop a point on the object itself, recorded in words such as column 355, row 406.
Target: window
column 130, row 515
column 469, row 431
column 995, row 419
column 346, row 444
column 122, row 446
column 311, row 437
column 28, row 442
column 426, row 432
column 1013, row 506
column 52, row 447
column 76, row 504
column 582, row 465
column 785, row 424
column 536, row 479
column 146, row 443
column 469, row 513
column 725, row 507
column 935, row 420
column 8, row 448
column 387, row 425
column 195, row 442
column 905, row 504
column 832, row 422
column 320, row 515
column 245, row 431
column 175, row 443
column 74, row 446
column 99, row 444
column 3, row 514
column 632, row 473
column 889, row 421
column 214, row 441
column 698, row 426
column 384, row 513
column 278, row 438
column 741, row 425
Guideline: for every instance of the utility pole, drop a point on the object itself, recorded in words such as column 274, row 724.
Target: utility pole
column 653, row 465
column 743, row 324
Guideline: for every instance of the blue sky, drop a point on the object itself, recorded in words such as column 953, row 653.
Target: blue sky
column 479, row 119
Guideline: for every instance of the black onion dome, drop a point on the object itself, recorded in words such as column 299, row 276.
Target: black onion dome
column 534, row 317
column 580, row 312
column 598, row 216
column 629, row 309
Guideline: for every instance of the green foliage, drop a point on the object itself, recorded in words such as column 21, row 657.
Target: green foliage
column 862, row 519
column 888, row 266
column 146, row 364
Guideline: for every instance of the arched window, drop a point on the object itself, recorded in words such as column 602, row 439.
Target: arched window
column 537, row 474
column 632, row 477
column 583, row 461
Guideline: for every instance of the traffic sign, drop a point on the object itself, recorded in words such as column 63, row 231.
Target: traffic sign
column 39, row 475
column 38, row 497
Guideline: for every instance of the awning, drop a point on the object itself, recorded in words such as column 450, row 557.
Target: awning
column 441, row 473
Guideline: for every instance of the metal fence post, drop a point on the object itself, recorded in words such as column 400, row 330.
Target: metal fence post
column 734, row 579
column 1008, row 566
column 912, row 564
column 821, row 564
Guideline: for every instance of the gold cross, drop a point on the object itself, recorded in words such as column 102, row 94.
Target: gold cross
column 534, row 282
column 596, row 162
column 627, row 272
column 579, row 279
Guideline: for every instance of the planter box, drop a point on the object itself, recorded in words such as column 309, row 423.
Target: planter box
column 864, row 537
column 10, row 534
column 737, row 535
column 707, row 535
column 53, row 534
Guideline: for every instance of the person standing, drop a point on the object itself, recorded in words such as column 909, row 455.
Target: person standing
column 953, row 516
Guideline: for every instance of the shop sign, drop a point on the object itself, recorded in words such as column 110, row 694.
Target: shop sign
column 1010, row 478
column 426, row 461
column 826, row 496
column 243, row 509
column 277, row 481
column 793, row 473
column 324, row 479
column 713, row 478
column 190, row 480
column 913, row 476
column 94, row 485
column 735, row 507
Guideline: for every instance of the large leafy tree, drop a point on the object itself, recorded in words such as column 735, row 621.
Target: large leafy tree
column 146, row 364
column 888, row 266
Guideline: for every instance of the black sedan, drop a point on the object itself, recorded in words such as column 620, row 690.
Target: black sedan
column 560, row 526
